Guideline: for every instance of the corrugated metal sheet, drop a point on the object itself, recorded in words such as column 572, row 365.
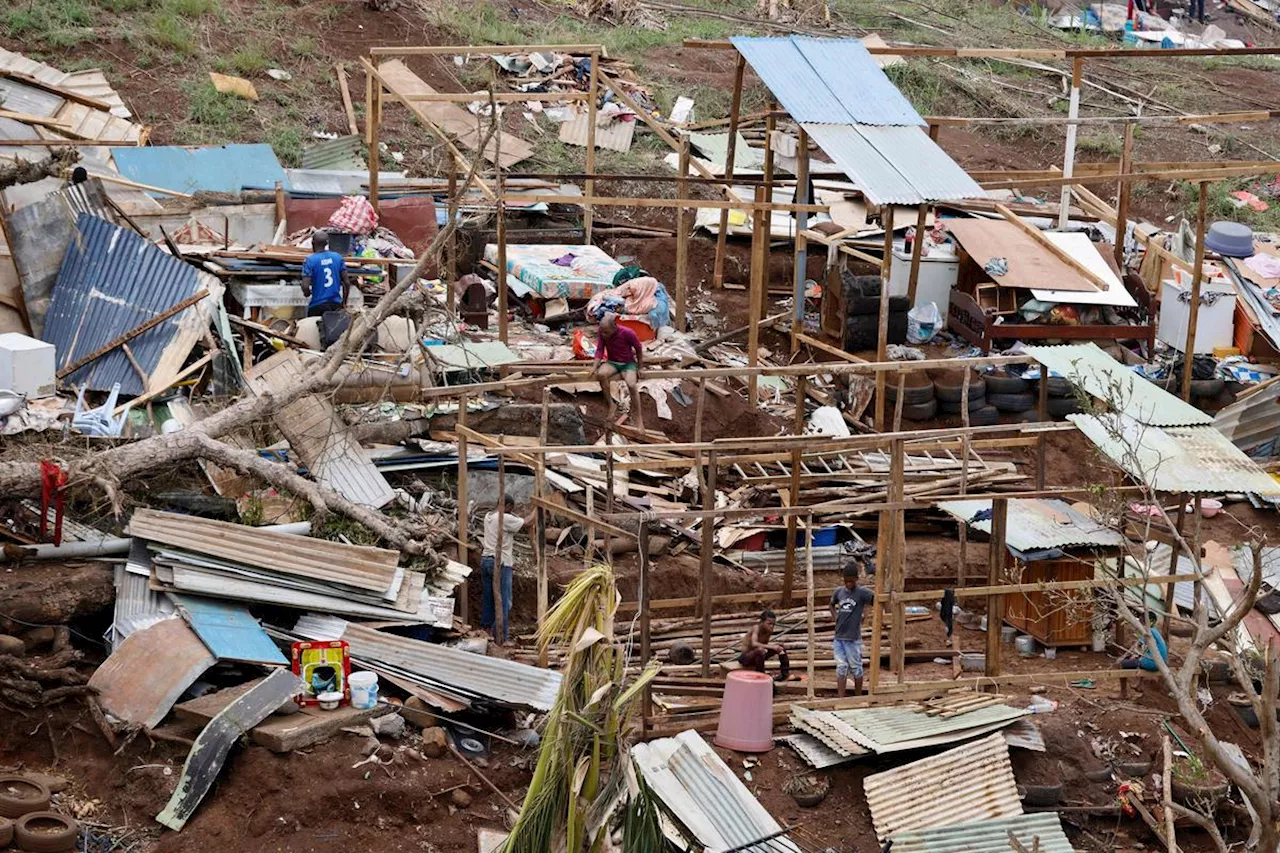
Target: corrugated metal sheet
column 1024, row 734
column 41, row 233
column 974, row 781
column 814, row 752
column 142, row 679
column 1242, row 561
column 894, row 165
column 1157, row 563
column 222, row 168
column 111, row 281
column 1252, row 423
column 471, row 355
column 1035, row 524
column 332, row 181
column 1195, row 459
column 90, row 83
column 454, row 672
column 702, row 793
column 895, row 729
column 137, row 606
column 229, row 631
column 21, row 98
column 1041, row 832
column 831, row 81
column 345, row 152
column 1100, row 375
column 355, row 566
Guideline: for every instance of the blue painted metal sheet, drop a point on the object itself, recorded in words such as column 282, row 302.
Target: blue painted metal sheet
column 792, row 80
column 111, row 281
column 830, row 81
column 229, row 630
column 894, row 165
column 846, row 68
column 223, row 168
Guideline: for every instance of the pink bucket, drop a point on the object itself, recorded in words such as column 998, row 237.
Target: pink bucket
column 746, row 713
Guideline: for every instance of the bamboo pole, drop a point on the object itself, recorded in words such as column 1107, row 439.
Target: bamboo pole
column 1069, row 156
column 801, row 261
column 1197, row 279
column 705, row 556
column 882, row 345
column 995, row 601
column 682, row 242
column 735, row 114
column 464, row 532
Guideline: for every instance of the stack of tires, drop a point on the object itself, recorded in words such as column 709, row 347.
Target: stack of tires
column 948, row 387
column 1013, row 395
column 918, row 400
column 25, row 819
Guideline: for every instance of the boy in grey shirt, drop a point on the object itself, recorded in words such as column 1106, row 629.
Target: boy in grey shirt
column 847, row 605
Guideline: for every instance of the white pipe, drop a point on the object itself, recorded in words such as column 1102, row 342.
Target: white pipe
column 1069, row 159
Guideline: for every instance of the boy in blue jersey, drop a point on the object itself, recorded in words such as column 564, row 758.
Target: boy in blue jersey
column 324, row 277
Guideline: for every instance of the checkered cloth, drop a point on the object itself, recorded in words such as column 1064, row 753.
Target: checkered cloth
column 354, row 215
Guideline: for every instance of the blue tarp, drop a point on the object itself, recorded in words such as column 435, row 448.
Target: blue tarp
column 222, row 169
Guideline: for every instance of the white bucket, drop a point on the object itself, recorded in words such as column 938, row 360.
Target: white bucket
column 364, row 690
column 1025, row 644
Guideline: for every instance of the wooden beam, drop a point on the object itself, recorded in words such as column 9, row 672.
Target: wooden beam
column 479, row 50
column 705, row 556
column 682, row 241
column 735, row 110
column 800, row 261
column 882, row 344
column 464, row 531
column 1052, row 248
column 1170, row 175
column 347, row 106
column 500, row 97
column 1197, row 279
column 593, row 101
column 1049, row 586
column 183, row 374
column 759, row 263
column 701, row 204
column 133, row 333
column 917, row 251
column 995, row 567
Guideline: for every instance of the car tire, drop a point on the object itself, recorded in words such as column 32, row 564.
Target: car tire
column 20, row 795
column 925, row 411
column 985, row 416
column 1012, row 402
column 911, row 394
column 953, row 407
column 950, row 391
column 6, row 832
column 46, row 832
column 1059, row 387
column 1003, row 383
column 1060, row 407
column 1030, row 416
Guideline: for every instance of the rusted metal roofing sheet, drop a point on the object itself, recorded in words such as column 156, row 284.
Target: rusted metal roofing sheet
column 1024, row 734
column 832, row 81
column 970, row 782
column 1098, row 374
column 1035, row 524
column 894, row 165
column 1196, row 459
column 142, row 679
column 814, row 752
column 355, row 566
column 1252, row 422
column 343, row 152
column 111, row 281
column 1041, row 832
column 910, row 727
column 706, row 798
column 452, row 671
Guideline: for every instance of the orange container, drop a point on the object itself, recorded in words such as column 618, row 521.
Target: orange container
column 746, row 714
column 643, row 331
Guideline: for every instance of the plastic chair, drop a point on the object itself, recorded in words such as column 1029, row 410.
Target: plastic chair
column 99, row 421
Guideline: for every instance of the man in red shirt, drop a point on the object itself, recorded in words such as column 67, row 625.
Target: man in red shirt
column 619, row 352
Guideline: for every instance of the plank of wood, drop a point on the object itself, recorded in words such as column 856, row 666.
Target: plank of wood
column 347, row 106
column 453, row 119
column 283, row 733
column 1030, row 264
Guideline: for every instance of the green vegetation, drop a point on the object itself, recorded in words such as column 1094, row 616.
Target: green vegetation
column 168, row 30
column 921, row 82
column 249, row 59
column 304, row 47
column 213, row 116
column 1105, row 142
column 287, row 143
column 52, row 23
column 1222, row 206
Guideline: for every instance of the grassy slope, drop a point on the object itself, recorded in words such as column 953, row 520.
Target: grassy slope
column 159, row 52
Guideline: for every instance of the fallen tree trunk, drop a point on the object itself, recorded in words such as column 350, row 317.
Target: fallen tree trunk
column 53, row 593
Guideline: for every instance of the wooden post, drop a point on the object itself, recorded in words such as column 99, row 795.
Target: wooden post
column 808, row 577
column 1069, row 157
column 1173, row 563
column 1197, row 279
column 917, row 251
column 372, row 96
column 995, row 603
column 1042, row 414
column 609, row 485
column 499, row 618
column 793, row 495
column 451, row 248
column 682, row 241
column 1166, row 792
column 886, row 219
column 735, row 109
column 501, row 207
column 1122, row 194
column 708, row 545
column 697, row 412
column 897, row 474
column 540, row 529
column 770, row 123
column 591, row 534
column 593, row 99
column 759, row 263
column 464, row 530
column 898, row 402
column 801, row 262
column 877, row 608
column 646, row 702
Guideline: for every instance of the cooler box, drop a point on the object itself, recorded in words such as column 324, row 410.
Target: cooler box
column 1215, row 324
column 27, row 366
column 938, row 275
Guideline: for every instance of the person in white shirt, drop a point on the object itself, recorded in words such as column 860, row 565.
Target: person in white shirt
column 511, row 525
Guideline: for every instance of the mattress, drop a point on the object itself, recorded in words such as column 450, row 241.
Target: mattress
column 588, row 271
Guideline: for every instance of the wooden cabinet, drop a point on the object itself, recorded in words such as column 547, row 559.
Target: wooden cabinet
column 1056, row 617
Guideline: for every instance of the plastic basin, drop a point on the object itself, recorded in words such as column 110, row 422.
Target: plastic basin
column 746, row 713
column 1230, row 239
